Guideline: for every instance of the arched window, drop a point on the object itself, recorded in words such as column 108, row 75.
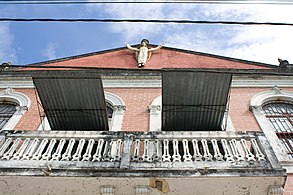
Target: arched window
column 272, row 110
column 12, row 106
column 280, row 115
column 7, row 109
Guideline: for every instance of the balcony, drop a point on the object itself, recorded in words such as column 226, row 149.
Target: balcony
column 152, row 162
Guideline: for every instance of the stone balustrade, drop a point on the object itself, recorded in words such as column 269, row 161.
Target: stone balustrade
column 104, row 151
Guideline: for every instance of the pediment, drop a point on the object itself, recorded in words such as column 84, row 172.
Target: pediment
column 166, row 57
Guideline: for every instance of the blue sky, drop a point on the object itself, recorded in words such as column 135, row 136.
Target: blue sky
column 24, row 43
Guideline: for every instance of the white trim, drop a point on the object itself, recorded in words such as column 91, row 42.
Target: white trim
column 155, row 114
column 118, row 112
column 156, row 82
column 256, row 107
column 117, row 117
column 21, row 100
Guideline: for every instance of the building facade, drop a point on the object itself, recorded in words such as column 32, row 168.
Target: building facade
column 183, row 123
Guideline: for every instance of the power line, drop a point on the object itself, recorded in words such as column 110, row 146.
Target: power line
column 160, row 21
column 48, row 2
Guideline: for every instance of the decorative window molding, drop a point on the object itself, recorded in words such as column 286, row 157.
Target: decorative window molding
column 118, row 111
column 256, row 104
column 23, row 104
column 117, row 105
column 155, row 114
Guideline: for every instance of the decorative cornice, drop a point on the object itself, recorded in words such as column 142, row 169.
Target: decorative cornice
column 156, row 82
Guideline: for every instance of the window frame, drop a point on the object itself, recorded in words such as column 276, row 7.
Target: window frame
column 21, row 100
column 256, row 107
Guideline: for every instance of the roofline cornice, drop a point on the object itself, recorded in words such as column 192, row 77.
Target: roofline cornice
column 152, row 45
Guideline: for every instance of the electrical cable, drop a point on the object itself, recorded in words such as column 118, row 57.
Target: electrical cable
column 161, row 21
column 48, row 2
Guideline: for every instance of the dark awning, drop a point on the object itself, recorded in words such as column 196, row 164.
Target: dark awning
column 73, row 103
column 194, row 100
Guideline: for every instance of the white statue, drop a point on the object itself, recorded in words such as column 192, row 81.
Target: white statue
column 143, row 53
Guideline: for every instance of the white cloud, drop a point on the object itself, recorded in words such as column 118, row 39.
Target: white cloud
column 254, row 43
column 50, row 51
column 7, row 52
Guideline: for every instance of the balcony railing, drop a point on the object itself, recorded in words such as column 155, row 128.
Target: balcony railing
column 64, row 152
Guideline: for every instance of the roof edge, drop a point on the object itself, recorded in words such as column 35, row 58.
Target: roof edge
column 152, row 45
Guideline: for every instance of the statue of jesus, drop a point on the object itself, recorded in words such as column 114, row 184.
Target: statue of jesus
column 143, row 53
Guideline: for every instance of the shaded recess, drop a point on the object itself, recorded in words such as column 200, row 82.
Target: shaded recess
column 73, row 103
column 194, row 101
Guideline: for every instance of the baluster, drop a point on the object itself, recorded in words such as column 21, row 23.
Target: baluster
column 5, row 146
column 11, row 150
column 186, row 156
column 47, row 155
column 88, row 153
column 206, row 152
column 117, row 150
column 67, row 155
column 166, row 155
column 259, row 155
column 217, row 154
column 77, row 155
column 98, row 155
column 146, row 155
column 136, row 156
column 157, row 153
column 21, row 150
column 176, row 156
column 235, row 150
column 57, row 154
column 228, row 154
column 248, row 154
column 107, row 151
column 31, row 149
column 38, row 154
column 197, row 156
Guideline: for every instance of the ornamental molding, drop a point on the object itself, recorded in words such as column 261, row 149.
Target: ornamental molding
column 256, row 108
column 156, row 82
column 276, row 190
column 107, row 190
column 274, row 94
column 9, row 94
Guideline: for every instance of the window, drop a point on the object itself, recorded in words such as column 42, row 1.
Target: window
column 12, row 106
column 280, row 115
column 110, row 111
column 272, row 110
column 7, row 109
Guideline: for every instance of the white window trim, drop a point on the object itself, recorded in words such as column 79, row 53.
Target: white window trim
column 117, row 117
column 256, row 107
column 21, row 100
column 118, row 112
column 156, row 114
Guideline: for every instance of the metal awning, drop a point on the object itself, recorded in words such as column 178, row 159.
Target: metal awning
column 194, row 100
column 73, row 103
